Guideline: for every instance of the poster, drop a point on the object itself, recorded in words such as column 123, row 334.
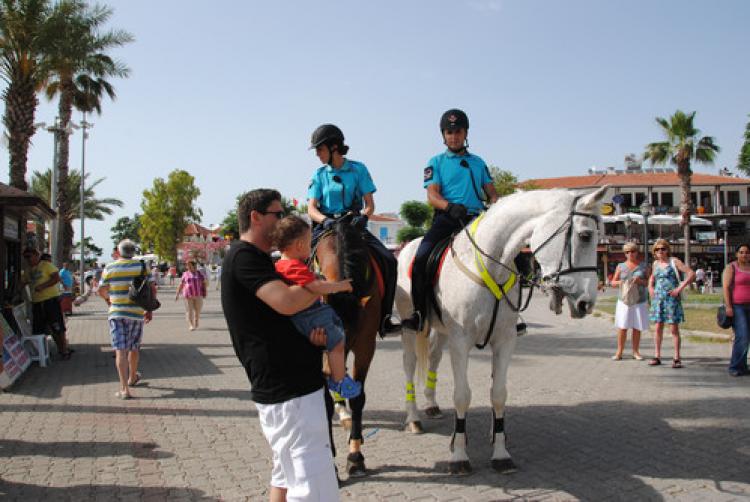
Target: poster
column 15, row 357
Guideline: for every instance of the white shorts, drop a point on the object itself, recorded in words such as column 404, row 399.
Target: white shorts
column 297, row 431
column 631, row 316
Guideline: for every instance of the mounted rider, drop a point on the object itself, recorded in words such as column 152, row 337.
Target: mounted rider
column 455, row 180
column 344, row 186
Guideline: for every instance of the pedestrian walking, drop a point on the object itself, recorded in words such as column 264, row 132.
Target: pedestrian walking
column 665, row 288
column 284, row 368
column 218, row 276
column 47, row 316
column 172, row 273
column 736, row 287
column 125, row 317
column 193, row 287
column 700, row 278
column 631, row 312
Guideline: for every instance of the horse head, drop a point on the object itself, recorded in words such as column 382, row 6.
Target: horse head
column 564, row 245
column 347, row 257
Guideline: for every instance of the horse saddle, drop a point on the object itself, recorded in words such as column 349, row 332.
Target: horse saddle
column 433, row 267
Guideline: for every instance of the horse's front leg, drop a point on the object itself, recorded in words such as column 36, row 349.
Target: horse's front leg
column 502, row 351
column 355, row 461
column 459, row 463
column 409, row 355
column 437, row 342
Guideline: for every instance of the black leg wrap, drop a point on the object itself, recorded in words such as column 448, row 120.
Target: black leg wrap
column 499, row 425
column 329, row 414
column 460, row 425
column 357, row 404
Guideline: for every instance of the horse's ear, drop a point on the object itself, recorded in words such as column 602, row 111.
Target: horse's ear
column 589, row 202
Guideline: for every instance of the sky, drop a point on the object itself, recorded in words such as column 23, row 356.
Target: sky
column 231, row 91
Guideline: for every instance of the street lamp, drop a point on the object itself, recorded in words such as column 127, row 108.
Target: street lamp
column 724, row 227
column 84, row 125
column 645, row 212
column 58, row 221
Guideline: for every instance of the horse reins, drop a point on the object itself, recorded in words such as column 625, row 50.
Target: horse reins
column 566, row 226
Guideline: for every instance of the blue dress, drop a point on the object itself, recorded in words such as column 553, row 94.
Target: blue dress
column 665, row 308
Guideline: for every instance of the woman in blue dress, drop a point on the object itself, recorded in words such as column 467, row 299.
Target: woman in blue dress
column 665, row 287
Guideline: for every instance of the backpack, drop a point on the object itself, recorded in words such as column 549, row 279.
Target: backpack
column 140, row 292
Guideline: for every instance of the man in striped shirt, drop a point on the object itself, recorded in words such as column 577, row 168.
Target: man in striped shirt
column 126, row 318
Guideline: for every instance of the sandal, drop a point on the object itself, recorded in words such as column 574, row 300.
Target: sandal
column 654, row 362
column 136, row 380
column 616, row 358
column 123, row 395
column 66, row 355
column 676, row 363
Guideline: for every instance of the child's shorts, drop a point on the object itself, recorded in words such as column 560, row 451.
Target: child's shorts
column 320, row 315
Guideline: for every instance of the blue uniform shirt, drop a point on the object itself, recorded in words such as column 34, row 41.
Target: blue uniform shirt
column 455, row 181
column 338, row 197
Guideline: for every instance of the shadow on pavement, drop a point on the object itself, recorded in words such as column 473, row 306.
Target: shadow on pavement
column 596, row 450
column 23, row 491
column 75, row 449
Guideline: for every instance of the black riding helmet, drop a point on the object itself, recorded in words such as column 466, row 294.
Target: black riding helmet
column 454, row 119
column 327, row 134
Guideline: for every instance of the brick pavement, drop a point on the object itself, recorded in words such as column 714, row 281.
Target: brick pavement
column 580, row 425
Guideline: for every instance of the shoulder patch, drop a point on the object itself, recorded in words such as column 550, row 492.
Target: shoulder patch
column 428, row 172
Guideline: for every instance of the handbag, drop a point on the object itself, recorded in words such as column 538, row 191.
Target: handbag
column 722, row 319
column 679, row 277
column 629, row 293
column 141, row 293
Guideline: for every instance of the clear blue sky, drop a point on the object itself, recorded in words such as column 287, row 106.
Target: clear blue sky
column 230, row 91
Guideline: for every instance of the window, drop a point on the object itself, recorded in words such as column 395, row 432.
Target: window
column 639, row 198
column 654, row 199
column 733, row 198
column 627, row 199
column 694, row 198
column 667, row 199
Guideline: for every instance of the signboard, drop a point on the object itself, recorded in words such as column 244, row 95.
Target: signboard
column 706, row 236
column 618, row 199
column 15, row 358
column 10, row 227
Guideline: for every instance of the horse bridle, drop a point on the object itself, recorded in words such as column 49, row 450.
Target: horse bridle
column 552, row 280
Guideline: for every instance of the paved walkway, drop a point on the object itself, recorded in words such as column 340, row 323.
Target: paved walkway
column 581, row 426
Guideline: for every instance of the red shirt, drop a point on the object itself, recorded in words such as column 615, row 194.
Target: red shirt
column 295, row 271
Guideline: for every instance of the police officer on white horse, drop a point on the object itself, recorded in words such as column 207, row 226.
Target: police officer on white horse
column 458, row 183
column 341, row 186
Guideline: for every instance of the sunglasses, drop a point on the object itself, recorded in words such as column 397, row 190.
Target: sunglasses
column 629, row 252
column 660, row 249
column 278, row 214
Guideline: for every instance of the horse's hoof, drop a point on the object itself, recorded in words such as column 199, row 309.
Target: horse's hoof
column 504, row 465
column 433, row 412
column 346, row 423
column 415, row 427
column 355, row 465
column 460, row 468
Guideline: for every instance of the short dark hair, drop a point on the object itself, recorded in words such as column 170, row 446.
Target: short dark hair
column 288, row 230
column 743, row 245
column 254, row 200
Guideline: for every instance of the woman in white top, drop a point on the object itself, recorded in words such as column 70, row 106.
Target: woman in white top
column 633, row 273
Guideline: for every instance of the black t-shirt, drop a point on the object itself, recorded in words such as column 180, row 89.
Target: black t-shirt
column 279, row 361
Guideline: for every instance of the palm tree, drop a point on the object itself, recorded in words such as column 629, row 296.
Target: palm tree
column 25, row 38
column 93, row 208
column 682, row 146
column 79, row 69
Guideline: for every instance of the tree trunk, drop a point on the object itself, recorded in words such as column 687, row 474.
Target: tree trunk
column 65, row 111
column 683, row 171
column 20, row 107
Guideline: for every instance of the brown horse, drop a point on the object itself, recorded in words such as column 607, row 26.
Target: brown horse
column 343, row 254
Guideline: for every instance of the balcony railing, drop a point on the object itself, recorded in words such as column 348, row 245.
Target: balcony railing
column 697, row 210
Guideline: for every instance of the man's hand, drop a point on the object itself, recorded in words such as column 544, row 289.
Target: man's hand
column 456, row 211
column 328, row 223
column 321, row 287
column 147, row 317
column 318, row 337
column 360, row 222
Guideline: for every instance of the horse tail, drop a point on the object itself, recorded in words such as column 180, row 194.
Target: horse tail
column 422, row 348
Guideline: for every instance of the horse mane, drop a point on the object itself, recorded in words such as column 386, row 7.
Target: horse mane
column 354, row 263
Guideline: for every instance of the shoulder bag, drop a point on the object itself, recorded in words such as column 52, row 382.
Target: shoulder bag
column 141, row 293
column 724, row 321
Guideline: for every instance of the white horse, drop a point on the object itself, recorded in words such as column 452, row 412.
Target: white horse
column 562, row 229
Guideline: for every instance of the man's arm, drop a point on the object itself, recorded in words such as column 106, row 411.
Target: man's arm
column 435, row 197
column 314, row 212
column 53, row 279
column 286, row 300
column 489, row 189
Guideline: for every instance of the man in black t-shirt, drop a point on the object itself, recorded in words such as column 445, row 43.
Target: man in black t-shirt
column 283, row 366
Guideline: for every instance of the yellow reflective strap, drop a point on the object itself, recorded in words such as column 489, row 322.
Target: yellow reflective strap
column 431, row 375
column 410, row 393
column 493, row 286
column 337, row 397
column 431, row 380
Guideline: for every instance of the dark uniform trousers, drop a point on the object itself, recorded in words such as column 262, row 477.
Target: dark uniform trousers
column 385, row 259
column 442, row 227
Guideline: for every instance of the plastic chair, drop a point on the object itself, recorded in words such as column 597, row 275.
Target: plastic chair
column 40, row 348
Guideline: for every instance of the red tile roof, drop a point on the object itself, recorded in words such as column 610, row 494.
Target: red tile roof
column 196, row 229
column 632, row 180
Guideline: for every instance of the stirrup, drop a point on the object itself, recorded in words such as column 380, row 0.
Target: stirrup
column 415, row 322
column 387, row 326
column 520, row 329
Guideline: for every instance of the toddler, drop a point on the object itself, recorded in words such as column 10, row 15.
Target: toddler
column 293, row 239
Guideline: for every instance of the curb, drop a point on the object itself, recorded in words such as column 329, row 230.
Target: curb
column 709, row 335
